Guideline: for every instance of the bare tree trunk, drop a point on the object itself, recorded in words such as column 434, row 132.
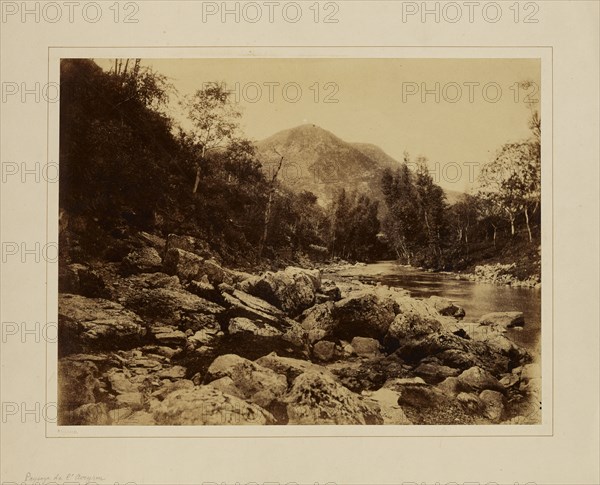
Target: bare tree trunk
column 267, row 219
column 527, row 222
column 495, row 229
column 263, row 238
column 197, row 181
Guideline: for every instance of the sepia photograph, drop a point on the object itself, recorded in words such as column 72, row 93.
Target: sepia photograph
column 300, row 241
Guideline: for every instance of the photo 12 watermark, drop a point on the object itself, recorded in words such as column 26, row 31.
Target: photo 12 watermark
column 469, row 92
column 29, row 172
column 29, row 332
column 69, row 12
column 287, row 92
column 470, row 12
column 271, row 12
column 29, row 252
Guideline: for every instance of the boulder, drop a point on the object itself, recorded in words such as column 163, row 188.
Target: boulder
column 189, row 244
column 476, row 379
column 503, row 319
column 330, row 290
column 368, row 374
column 324, row 351
column 205, row 336
column 243, row 305
column 143, row 260
column 189, row 267
column 435, row 373
column 257, row 384
column 390, row 410
column 365, row 347
column 290, row 368
column 408, row 326
column 316, row 398
column 203, row 289
column 318, row 318
column 450, row 386
column 364, row 315
column 292, row 290
column 416, row 395
column 175, row 307
column 207, row 406
column 96, row 323
column 446, row 307
column 246, row 326
column 494, row 404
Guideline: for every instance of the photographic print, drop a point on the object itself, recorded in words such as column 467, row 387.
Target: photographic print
column 300, row 241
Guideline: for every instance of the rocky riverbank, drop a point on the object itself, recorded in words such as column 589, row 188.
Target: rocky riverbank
column 500, row 274
column 169, row 336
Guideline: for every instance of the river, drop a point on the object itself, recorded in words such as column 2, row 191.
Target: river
column 476, row 298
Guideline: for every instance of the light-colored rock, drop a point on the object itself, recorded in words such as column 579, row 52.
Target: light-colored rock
column 121, row 381
column 291, row 368
column 365, row 347
column 476, row 379
column 503, row 319
column 189, row 266
column 243, row 305
column 207, row 406
column 257, row 384
column 169, row 336
column 292, row 290
column 397, row 382
column 446, row 307
column 245, row 325
column 324, row 350
column 390, row 410
column 206, row 336
column 493, row 404
column 470, row 402
column 410, row 325
column 318, row 399
column 143, row 260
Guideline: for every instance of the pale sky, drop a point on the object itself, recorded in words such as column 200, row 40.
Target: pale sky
column 375, row 104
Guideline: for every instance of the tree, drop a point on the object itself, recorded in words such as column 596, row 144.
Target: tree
column 214, row 117
column 269, row 206
column 432, row 206
column 512, row 181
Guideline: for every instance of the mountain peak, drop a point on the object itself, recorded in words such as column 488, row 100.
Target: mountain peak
column 318, row 161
